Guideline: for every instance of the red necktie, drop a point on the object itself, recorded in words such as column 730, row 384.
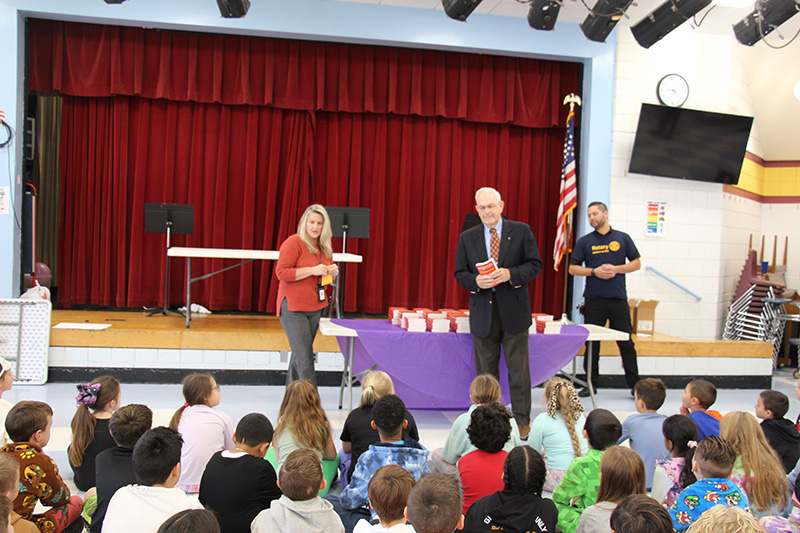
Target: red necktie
column 494, row 244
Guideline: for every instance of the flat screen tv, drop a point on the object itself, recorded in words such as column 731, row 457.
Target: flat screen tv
column 690, row 144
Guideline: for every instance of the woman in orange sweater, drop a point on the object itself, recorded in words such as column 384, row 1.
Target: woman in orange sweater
column 306, row 258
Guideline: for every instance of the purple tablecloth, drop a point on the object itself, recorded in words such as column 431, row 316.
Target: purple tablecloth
column 435, row 370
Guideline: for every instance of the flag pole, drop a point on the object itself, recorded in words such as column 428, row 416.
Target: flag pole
column 571, row 99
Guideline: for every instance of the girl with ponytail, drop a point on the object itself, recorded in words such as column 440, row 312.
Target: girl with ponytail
column 357, row 433
column 558, row 432
column 205, row 430
column 96, row 401
column 671, row 476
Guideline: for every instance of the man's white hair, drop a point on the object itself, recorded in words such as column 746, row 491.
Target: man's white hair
column 489, row 190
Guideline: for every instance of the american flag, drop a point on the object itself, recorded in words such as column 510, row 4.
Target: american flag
column 568, row 196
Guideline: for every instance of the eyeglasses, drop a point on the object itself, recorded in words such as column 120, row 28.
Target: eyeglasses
column 487, row 207
column 216, row 388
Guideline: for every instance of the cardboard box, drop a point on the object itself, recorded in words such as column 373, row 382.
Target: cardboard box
column 643, row 316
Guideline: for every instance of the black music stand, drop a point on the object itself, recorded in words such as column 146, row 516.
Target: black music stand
column 169, row 219
column 352, row 222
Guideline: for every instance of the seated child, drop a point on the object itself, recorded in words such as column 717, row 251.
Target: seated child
column 238, row 484
column 115, row 466
column 302, row 423
column 389, row 420
column 300, row 508
column 484, row 389
column 697, row 397
column 28, row 425
column 357, row 433
column 204, row 429
column 578, row 489
column 144, row 507
column 388, row 496
column 780, row 432
column 558, row 432
column 722, row 519
column 519, row 506
column 96, row 401
column 192, row 521
column 9, row 489
column 712, row 464
column 621, row 474
column 673, row 475
column 6, row 382
column 481, row 471
column 757, row 468
column 434, row 504
column 644, row 428
column 640, row 514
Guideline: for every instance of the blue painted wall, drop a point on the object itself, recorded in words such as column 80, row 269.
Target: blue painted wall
column 331, row 21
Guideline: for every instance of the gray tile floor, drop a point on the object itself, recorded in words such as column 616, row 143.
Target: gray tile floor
column 433, row 425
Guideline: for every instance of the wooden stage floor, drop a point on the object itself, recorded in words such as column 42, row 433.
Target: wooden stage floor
column 133, row 329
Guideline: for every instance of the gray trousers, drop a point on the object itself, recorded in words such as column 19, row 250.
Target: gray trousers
column 300, row 328
column 515, row 348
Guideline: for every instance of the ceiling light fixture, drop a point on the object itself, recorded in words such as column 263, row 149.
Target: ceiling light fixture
column 460, row 9
column 233, row 9
column 664, row 19
column 766, row 17
column 603, row 17
column 543, row 14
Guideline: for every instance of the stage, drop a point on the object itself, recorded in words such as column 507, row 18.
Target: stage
column 252, row 349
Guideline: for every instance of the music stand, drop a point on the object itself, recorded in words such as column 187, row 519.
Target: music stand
column 352, row 222
column 169, row 219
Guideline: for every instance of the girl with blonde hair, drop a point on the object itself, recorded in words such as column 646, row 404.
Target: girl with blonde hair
column 358, row 433
column 204, row 429
column 758, row 469
column 621, row 474
column 484, row 389
column 558, row 432
column 302, row 423
column 97, row 401
column 304, row 269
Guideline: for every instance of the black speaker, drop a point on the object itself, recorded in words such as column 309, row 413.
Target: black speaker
column 768, row 15
column 664, row 19
column 233, row 9
column 543, row 14
column 460, row 9
column 603, row 18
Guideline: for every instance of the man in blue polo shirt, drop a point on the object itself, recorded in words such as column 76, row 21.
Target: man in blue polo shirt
column 607, row 255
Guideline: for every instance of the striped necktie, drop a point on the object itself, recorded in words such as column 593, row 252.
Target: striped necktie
column 494, row 244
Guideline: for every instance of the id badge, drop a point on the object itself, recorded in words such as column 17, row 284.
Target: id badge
column 320, row 292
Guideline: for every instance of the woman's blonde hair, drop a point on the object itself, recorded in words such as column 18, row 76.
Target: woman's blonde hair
column 484, row 389
column 373, row 386
column 764, row 478
column 621, row 474
column 561, row 396
column 325, row 245
column 301, row 413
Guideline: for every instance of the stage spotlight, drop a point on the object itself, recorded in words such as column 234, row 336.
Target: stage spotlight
column 114, row 1
column 603, row 17
column 768, row 15
column 460, row 9
column 543, row 14
column 664, row 19
column 233, row 9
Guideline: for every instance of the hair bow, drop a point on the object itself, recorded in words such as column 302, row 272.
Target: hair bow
column 692, row 444
column 87, row 394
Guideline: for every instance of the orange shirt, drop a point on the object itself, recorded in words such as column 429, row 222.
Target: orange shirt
column 300, row 295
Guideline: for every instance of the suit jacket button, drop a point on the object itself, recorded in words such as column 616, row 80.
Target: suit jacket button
column 490, row 301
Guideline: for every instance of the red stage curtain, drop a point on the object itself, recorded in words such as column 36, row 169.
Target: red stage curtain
column 97, row 60
column 368, row 127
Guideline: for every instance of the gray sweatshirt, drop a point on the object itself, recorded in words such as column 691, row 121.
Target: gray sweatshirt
column 288, row 516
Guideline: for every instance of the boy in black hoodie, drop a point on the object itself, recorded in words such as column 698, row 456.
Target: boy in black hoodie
column 781, row 433
column 519, row 506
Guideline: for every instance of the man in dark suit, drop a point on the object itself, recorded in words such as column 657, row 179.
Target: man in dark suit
column 499, row 303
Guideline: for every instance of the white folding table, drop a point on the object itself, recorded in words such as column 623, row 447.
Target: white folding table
column 247, row 256
column 596, row 333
